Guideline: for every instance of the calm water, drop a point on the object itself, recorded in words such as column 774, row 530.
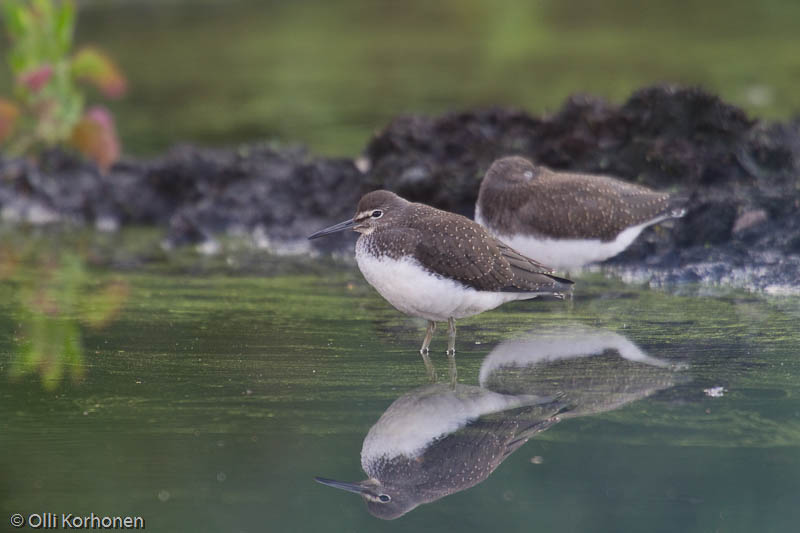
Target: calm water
column 208, row 399
column 330, row 73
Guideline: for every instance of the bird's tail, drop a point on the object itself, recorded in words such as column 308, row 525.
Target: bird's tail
column 563, row 288
column 678, row 212
column 678, row 206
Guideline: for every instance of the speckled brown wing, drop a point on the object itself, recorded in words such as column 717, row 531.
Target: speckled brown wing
column 458, row 248
column 567, row 205
column 526, row 270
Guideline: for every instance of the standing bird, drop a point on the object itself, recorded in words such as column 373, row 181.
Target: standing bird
column 436, row 440
column 566, row 220
column 437, row 265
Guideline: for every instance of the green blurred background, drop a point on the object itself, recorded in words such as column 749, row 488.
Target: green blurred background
column 328, row 74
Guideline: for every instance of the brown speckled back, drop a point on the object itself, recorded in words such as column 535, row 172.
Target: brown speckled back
column 564, row 205
column 453, row 247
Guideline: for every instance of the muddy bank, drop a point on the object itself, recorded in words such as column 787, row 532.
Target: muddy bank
column 741, row 178
column 277, row 195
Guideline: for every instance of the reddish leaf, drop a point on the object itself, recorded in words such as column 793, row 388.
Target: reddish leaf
column 96, row 137
column 37, row 78
column 92, row 65
column 8, row 117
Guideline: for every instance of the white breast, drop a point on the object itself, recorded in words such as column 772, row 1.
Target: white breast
column 417, row 292
column 421, row 416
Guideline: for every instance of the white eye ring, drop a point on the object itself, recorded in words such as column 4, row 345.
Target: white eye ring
column 528, row 174
column 384, row 498
column 376, row 214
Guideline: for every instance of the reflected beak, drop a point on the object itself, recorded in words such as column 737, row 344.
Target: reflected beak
column 341, row 226
column 349, row 487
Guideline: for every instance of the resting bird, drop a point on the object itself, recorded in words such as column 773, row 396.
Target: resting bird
column 564, row 219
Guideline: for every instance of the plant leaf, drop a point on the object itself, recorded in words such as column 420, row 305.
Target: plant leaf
column 8, row 118
column 96, row 137
column 64, row 27
column 17, row 18
column 43, row 9
column 92, row 65
column 34, row 80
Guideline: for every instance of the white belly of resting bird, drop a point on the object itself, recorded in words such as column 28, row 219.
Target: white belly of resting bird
column 412, row 289
column 568, row 253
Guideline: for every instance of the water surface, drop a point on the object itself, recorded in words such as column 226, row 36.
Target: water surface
column 209, row 399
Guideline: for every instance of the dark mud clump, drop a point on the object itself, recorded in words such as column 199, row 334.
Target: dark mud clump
column 276, row 195
column 740, row 178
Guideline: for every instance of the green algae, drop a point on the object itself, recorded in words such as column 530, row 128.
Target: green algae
column 264, row 378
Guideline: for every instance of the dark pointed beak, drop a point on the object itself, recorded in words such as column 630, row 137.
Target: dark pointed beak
column 341, row 226
column 349, row 487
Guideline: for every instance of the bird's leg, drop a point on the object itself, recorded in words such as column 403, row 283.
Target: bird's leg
column 451, row 332
column 424, row 351
column 427, row 340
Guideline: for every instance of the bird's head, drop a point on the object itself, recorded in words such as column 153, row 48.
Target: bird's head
column 375, row 209
column 381, row 501
column 511, row 170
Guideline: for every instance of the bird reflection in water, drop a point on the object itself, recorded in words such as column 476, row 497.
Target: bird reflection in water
column 438, row 439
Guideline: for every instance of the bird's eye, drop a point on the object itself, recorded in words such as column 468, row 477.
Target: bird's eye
column 528, row 174
column 384, row 498
column 377, row 213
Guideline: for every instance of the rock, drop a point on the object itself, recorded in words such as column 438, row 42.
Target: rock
column 440, row 161
column 749, row 219
column 707, row 223
column 195, row 192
